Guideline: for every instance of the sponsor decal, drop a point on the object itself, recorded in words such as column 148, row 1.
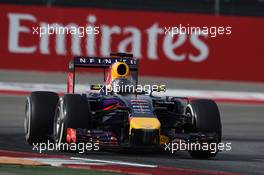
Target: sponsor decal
column 167, row 44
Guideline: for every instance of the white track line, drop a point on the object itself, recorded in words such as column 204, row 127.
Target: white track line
column 114, row 162
column 29, row 87
column 213, row 94
column 217, row 94
column 61, row 161
column 86, row 161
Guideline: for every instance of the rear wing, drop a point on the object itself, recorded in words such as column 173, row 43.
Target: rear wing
column 101, row 62
column 98, row 62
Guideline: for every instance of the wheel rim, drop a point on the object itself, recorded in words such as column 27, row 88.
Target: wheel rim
column 189, row 113
column 27, row 119
column 58, row 125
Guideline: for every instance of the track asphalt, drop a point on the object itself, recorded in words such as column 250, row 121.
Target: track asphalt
column 242, row 126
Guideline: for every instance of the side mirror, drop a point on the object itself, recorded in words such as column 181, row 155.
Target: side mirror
column 96, row 87
column 158, row 88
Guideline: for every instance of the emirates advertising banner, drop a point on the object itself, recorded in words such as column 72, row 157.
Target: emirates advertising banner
column 167, row 44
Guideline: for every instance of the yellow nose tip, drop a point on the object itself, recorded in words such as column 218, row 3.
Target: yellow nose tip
column 144, row 123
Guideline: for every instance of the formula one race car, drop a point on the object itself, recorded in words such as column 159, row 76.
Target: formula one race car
column 121, row 113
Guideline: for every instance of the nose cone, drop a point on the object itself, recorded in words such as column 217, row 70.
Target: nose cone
column 144, row 123
column 144, row 131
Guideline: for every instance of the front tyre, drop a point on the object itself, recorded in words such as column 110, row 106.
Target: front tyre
column 206, row 120
column 72, row 112
column 40, row 110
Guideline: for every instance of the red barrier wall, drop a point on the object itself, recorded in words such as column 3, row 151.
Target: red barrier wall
column 237, row 55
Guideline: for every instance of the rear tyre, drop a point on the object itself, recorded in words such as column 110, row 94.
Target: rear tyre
column 206, row 120
column 40, row 110
column 72, row 112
